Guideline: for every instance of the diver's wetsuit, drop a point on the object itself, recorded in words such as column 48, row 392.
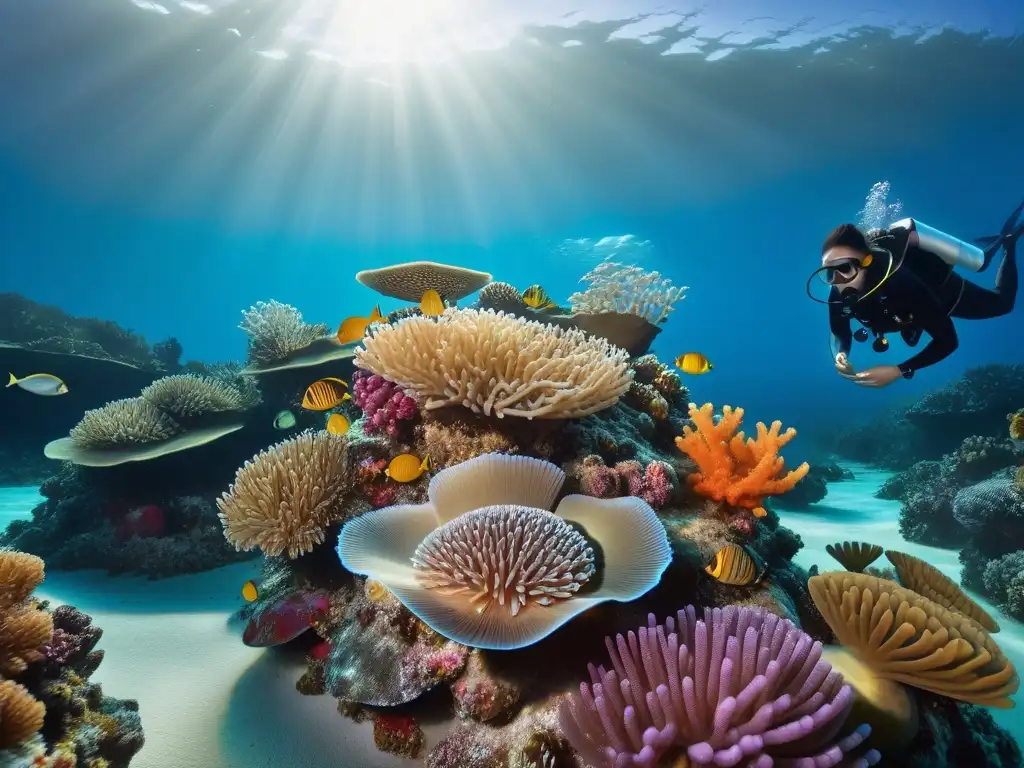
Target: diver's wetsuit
column 922, row 295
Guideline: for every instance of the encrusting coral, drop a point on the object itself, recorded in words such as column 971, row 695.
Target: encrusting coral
column 737, row 684
column 497, row 364
column 486, row 564
column 732, row 468
column 283, row 499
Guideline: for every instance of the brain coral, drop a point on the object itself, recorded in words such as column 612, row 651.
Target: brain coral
column 497, row 364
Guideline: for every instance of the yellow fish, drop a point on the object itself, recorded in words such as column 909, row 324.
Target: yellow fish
column 406, row 468
column 432, row 303
column 693, row 363
column 249, row 591
column 337, row 424
column 284, row 420
column 325, row 394
column 40, row 384
column 733, row 565
column 537, row 298
column 354, row 328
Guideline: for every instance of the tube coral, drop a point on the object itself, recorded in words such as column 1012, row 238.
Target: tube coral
column 733, row 468
column 740, row 684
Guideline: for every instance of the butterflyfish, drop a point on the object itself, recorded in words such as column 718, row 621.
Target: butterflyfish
column 325, row 394
column 536, row 297
column 354, row 328
column 407, row 467
column 693, row 363
column 45, row 384
column 249, row 591
column 284, row 420
column 735, row 566
column 432, row 303
column 337, row 424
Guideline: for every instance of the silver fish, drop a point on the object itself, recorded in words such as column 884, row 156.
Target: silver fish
column 44, row 384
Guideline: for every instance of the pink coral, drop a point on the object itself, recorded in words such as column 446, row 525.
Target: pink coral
column 383, row 402
column 655, row 484
column 381, row 495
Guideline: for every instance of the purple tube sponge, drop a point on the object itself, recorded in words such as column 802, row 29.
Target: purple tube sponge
column 741, row 687
column 383, row 403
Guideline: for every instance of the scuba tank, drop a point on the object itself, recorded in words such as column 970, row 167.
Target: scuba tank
column 954, row 252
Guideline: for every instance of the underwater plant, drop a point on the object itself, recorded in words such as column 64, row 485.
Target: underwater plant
column 485, row 563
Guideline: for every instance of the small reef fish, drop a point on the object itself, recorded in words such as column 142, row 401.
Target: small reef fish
column 249, row 591
column 693, row 363
column 407, row 467
column 337, row 424
column 536, row 297
column 432, row 304
column 40, row 384
column 284, row 420
column 325, row 394
column 354, row 328
column 735, row 566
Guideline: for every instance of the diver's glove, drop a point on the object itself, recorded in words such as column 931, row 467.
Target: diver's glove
column 843, row 364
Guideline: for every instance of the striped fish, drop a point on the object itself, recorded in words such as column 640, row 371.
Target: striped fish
column 734, row 565
column 325, row 394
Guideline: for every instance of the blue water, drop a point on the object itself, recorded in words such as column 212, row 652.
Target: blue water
column 160, row 170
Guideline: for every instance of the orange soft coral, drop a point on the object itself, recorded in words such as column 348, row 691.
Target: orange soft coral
column 732, row 468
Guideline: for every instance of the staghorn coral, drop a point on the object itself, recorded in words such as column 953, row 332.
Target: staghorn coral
column 123, row 423
column 615, row 287
column 277, row 330
column 731, row 468
column 380, row 543
column 283, row 499
column 385, row 405
column 499, row 365
column 663, row 699
column 188, row 396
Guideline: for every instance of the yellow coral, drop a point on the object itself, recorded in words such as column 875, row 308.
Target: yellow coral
column 20, row 574
column 733, row 468
column 24, row 629
column 1017, row 425
column 20, row 714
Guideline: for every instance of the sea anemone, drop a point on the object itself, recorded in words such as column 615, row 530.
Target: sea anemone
column 428, row 555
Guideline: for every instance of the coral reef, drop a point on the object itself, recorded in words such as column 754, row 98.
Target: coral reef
column 276, row 331
column 386, row 407
column 50, row 712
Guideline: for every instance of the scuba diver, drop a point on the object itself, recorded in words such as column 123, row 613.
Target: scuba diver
column 902, row 279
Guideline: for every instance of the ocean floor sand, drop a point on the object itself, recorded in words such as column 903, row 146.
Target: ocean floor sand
column 207, row 701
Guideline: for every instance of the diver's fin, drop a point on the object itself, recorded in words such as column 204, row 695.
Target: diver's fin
column 1010, row 233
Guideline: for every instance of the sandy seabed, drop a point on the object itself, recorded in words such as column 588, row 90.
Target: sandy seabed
column 207, row 701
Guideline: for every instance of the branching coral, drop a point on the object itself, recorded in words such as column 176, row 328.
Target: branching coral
column 188, row 396
column 627, row 289
column 499, row 365
column 24, row 629
column 126, row 423
column 732, row 468
column 284, row 498
column 277, row 330
column 739, row 685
